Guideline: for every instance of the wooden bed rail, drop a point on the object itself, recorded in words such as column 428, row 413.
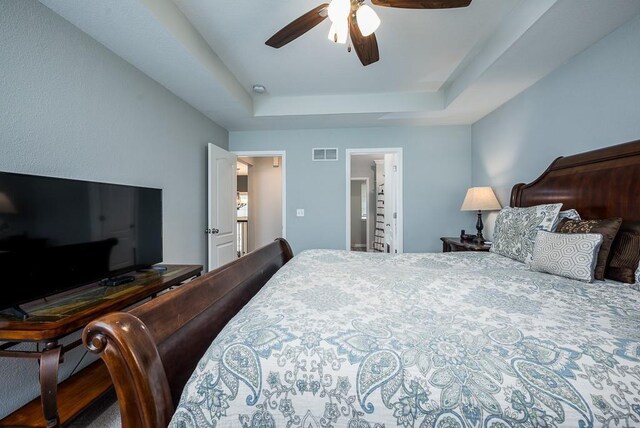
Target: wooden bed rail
column 152, row 350
column 129, row 352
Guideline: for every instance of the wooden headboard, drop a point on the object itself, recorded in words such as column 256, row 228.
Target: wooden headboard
column 601, row 183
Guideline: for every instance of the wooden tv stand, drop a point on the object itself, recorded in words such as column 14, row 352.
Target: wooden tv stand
column 61, row 315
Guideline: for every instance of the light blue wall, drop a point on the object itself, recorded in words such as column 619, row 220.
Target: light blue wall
column 69, row 107
column 436, row 176
column 591, row 102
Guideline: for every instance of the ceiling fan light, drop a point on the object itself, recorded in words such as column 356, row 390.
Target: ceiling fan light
column 339, row 31
column 339, row 10
column 368, row 20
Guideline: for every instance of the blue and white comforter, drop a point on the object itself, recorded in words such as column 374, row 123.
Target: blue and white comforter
column 421, row 340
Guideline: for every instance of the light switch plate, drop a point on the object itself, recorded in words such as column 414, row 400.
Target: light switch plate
column 300, row 212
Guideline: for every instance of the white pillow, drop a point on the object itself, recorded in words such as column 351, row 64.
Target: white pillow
column 570, row 214
column 515, row 229
column 572, row 255
column 636, row 286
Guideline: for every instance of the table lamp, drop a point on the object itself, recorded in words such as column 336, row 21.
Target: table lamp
column 479, row 199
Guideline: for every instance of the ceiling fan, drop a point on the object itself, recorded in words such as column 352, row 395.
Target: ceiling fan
column 354, row 19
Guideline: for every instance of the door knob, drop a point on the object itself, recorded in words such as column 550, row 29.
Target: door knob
column 211, row 231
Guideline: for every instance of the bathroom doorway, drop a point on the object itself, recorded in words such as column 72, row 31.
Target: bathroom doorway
column 374, row 200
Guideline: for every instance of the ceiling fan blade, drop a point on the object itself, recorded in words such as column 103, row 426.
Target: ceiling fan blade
column 366, row 47
column 423, row 4
column 298, row 27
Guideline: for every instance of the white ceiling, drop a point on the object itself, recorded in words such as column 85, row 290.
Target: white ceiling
column 436, row 67
column 419, row 49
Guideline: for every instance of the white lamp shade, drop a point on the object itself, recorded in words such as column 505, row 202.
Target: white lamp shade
column 339, row 31
column 339, row 10
column 368, row 20
column 480, row 198
column 6, row 206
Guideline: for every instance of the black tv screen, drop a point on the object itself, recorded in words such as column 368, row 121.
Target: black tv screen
column 57, row 234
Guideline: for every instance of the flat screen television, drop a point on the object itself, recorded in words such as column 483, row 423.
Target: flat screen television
column 57, row 234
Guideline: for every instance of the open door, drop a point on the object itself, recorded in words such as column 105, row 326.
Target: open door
column 221, row 227
column 391, row 199
column 383, row 167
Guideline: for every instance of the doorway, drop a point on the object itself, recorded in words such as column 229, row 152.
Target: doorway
column 360, row 214
column 261, row 199
column 374, row 200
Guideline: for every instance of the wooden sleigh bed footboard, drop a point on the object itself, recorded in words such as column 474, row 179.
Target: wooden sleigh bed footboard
column 152, row 350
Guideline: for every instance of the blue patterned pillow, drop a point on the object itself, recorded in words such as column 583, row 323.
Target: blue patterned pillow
column 571, row 255
column 516, row 228
column 570, row 214
column 636, row 286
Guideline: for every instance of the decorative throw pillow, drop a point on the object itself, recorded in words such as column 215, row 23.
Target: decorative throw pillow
column 570, row 214
column 625, row 257
column 608, row 228
column 515, row 229
column 570, row 255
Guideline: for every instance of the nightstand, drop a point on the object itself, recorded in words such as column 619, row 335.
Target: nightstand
column 455, row 244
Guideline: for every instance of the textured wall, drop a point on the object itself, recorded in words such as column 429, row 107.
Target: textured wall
column 590, row 102
column 358, row 226
column 71, row 108
column 361, row 166
column 436, row 176
column 265, row 202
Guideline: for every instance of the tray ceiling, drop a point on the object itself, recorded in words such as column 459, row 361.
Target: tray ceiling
column 436, row 66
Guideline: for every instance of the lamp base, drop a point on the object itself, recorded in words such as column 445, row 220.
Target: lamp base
column 479, row 239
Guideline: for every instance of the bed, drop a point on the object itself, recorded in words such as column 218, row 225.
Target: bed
column 335, row 338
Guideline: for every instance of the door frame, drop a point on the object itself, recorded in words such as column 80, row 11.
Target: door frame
column 400, row 218
column 366, row 181
column 271, row 153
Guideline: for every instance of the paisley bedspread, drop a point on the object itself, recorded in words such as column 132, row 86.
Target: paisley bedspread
column 347, row 339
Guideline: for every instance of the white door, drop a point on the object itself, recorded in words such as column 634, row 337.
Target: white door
column 221, row 226
column 391, row 185
column 388, row 204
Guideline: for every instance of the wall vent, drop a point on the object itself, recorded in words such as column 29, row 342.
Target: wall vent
column 324, row 154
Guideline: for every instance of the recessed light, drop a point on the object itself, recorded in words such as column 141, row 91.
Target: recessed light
column 259, row 89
